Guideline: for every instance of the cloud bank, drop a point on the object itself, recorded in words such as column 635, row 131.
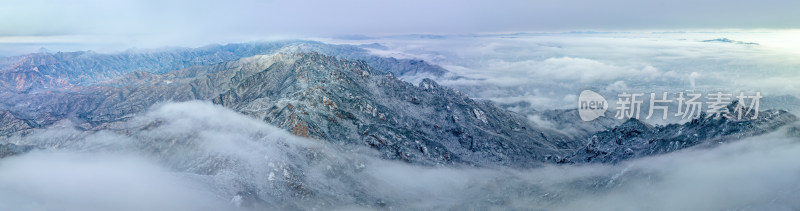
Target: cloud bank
column 118, row 25
column 546, row 69
column 198, row 156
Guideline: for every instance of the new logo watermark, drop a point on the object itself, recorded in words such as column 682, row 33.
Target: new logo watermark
column 591, row 105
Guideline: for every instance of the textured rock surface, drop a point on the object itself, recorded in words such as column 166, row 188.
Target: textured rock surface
column 44, row 71
column 634, row 138
column 568, row 122
column 13, row 149
column 10, row 124
column 349, row 102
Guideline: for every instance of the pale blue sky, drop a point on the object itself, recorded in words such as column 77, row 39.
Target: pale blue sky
column 33, row 17
column 149, row 23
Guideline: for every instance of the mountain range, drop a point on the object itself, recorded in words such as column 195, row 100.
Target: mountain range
column 335, row 93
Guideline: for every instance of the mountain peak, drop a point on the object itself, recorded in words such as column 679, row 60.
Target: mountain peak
column 634, row 123
column 634, row 138
column 428, row 84
column 43, row 50
column 347, row 101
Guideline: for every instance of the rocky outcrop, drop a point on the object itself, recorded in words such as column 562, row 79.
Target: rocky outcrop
column 64, row 70
column 350, row 102
column 634, row 138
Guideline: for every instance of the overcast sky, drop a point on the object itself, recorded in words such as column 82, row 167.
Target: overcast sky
column 162, row 22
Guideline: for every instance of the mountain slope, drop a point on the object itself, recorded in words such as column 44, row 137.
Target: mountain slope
column 319, row 96
column 47, row 71
column 634, row 138
column 349, row 102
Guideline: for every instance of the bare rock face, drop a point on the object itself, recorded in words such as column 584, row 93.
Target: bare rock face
column 10, row 124
column 634, row 139
column 8, row 149
column 64, row 70
column 350, row 102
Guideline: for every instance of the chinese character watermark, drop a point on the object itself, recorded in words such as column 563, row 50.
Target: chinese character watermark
column 687, row 105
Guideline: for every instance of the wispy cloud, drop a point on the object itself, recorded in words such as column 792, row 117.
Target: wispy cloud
column 200, row 156
column 189, row 23
column 544, row 68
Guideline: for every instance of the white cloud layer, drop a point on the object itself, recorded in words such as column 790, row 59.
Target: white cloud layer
column 197, row 156
column 546, row 67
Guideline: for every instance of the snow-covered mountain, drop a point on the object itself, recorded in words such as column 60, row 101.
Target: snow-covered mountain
column 297, row 86
column 634, row 138
column 296, row 123
column 45, row 71
column 318, row 96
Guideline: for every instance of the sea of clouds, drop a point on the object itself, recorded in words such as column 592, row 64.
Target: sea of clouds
column 549, row 70
column 200, row 156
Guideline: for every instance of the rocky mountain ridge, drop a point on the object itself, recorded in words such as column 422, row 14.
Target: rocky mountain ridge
column 360, row 102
